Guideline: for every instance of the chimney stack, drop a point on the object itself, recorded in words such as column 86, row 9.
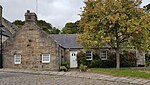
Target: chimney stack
column 30, row 16
column 1, row 9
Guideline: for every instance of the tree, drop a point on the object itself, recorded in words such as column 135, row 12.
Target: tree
column 147, row 8
column 47, row 27
column 54, row 31
column 18, row 23
column 117, row 23
column 71, row 28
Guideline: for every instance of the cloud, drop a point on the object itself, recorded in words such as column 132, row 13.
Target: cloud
column 56, row 12
column 145, row 2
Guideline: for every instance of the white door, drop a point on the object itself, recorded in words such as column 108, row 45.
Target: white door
column 73, row 59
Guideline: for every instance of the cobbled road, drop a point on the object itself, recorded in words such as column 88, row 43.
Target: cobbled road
column 10, row 78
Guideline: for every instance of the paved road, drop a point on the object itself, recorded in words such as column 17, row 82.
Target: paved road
column 9, row 78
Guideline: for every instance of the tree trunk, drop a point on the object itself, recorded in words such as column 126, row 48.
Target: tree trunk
column 118, row 54
column 117, row 59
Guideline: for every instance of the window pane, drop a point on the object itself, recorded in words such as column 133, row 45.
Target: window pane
column 17, row 59
column 103, row 55
column 45, row 58
column 88, row 58
column 89, row 55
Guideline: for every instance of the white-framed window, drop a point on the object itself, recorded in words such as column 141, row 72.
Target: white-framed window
column 45, row 58
column 89, row 55
column 103, row 55
column 17, row 59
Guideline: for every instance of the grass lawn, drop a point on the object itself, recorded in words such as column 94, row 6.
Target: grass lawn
column 134, row 72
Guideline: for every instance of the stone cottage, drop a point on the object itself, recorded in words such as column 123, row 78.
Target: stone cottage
column 32, row 48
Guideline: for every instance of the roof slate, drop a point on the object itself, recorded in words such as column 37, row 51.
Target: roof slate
column 8, row 28
column 66, row 40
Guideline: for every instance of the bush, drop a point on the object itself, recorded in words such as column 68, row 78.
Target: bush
column 81, row 58
column 66, row 64
column 96, row 62
column 147, row 56
column 126, row 60
column 83, row 67
column 63, row 68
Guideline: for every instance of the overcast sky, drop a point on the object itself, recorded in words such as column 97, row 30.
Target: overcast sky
column 56, row 12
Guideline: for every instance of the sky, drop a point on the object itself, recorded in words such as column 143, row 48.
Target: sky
column 56, row 12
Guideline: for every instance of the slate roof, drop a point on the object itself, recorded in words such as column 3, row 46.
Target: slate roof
column 66, row 40
column 5, row 31
column 8, row 28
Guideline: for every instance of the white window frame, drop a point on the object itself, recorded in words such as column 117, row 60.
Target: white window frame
column 102, row 55
column 89, row 57
column 17, row 59
column 45, row 55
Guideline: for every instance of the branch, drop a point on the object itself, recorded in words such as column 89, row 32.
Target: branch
column 113, row 47
column 127, row 35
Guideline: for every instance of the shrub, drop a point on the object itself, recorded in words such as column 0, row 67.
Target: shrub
column 63, row 68
column 83, row 67
column 127, row 59
column 66, row 64
column 96, row 62
column 147, row 56
column 81, row 58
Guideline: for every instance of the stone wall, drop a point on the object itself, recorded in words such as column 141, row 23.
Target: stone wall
column 31, row 42
column 140, row 55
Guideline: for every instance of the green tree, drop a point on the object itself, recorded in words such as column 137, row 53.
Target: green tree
column 71, row 28
column 147, row 8
column 47, row 27
column 18, row 23
column 117, row 23
column 54, row 30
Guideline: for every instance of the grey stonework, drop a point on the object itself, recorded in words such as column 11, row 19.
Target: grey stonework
column 140, row 55
column 31, row 42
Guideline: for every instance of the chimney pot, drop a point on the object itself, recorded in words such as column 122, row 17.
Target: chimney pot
column 28, row 11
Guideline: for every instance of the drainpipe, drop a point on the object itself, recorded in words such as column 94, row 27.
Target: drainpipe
column 1, row 57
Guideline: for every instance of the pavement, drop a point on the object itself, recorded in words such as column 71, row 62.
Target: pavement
column 85, row 75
